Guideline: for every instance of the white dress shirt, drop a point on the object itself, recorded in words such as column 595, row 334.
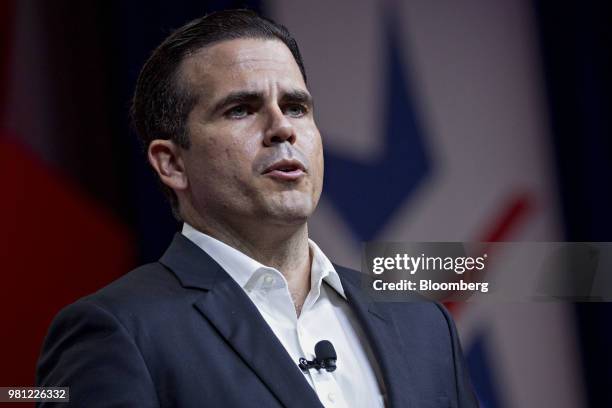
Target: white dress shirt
column 325, row 315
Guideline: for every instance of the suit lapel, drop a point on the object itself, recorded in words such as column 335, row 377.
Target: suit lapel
column 225, row 305
column 379, row 327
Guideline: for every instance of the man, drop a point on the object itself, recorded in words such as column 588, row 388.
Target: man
column 242, row 293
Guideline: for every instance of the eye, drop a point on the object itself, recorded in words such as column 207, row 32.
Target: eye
column 237, row 112
column 296, row 110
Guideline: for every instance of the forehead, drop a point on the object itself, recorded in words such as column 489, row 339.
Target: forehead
column 242, row 64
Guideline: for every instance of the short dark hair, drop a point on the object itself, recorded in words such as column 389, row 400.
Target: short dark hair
column 161, row 103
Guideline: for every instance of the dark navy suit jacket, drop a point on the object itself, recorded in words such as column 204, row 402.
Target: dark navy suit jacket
column 182, row 333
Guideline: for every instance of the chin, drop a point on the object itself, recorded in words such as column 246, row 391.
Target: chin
column 290, row 215
column 291, row 209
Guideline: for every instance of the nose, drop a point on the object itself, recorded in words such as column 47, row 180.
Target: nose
column 279, row 128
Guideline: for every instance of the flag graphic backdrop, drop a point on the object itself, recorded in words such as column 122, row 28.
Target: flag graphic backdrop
column 57, row 242
column 435, row 125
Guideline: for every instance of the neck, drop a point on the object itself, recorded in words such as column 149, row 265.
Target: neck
column 283, row 247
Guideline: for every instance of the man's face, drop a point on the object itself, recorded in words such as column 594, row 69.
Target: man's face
column 255, row 149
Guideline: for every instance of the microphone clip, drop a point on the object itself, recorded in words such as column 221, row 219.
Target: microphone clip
column 327, row 364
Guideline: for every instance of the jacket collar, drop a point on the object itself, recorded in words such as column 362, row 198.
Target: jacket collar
column 228, row 308
column 379, row 325
column 193, row 267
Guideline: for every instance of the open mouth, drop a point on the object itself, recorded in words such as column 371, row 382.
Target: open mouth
column 285, row 170
column 288, row 169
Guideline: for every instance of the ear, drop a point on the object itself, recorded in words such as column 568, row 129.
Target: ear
column 165, row 157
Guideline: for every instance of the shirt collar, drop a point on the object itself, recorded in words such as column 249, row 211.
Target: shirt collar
column 242, row 267
column 323, row 269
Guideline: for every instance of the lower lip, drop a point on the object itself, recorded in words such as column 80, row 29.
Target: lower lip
column 285, row 175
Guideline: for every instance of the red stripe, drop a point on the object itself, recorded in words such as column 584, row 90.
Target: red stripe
column 56, row 246
column 513, row 213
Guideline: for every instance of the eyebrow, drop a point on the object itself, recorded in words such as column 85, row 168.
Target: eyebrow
column 237, row 97
column 298, row 96
column 240, row 97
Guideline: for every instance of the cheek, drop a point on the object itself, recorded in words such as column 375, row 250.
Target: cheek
column 314, row 147
column 225, row 154
column 240, row 143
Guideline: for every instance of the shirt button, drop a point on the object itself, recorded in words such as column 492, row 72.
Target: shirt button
column 269, row 279
column 331, row 396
